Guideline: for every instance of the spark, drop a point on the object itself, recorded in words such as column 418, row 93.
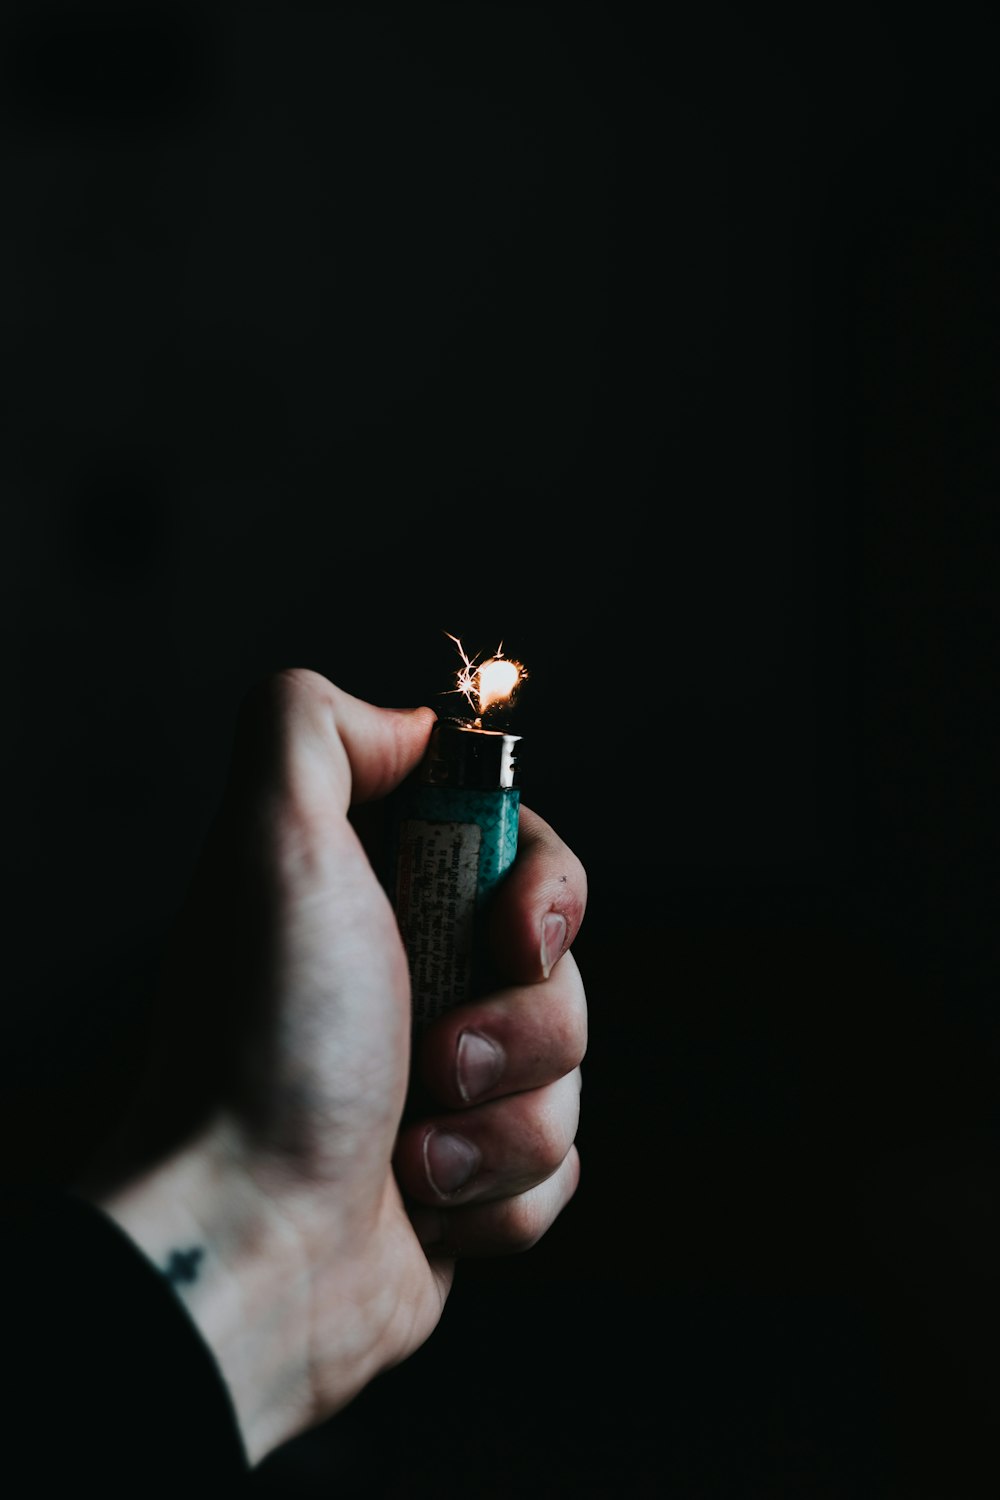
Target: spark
column 484, row 684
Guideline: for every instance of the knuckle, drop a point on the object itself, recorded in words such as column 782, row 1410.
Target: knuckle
column 568, row 1023
column 525, row 1221
column 529, row 1216
column 555, row 1127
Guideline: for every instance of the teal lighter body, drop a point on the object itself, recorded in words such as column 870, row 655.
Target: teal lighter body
column 452, row 839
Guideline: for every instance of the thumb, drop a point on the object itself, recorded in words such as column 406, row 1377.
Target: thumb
column 300, row 734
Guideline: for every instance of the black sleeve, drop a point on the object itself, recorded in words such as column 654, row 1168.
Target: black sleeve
column 109, row 1384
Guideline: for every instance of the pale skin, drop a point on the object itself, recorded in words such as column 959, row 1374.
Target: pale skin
column 271, row 1168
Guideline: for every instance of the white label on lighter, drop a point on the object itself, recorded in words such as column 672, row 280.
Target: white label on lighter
column 436, row 878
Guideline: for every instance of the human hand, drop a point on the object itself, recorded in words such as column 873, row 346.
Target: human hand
column 264, row 1167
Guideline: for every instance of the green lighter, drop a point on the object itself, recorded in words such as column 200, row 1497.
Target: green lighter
column 452, row 839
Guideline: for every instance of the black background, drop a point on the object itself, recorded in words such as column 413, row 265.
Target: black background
column 664, row 349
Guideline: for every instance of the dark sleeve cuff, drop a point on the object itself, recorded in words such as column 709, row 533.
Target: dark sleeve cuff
column 109, row 1379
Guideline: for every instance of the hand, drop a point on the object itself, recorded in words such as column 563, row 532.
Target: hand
column 264, row 1167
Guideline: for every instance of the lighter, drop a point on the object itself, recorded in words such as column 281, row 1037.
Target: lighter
column 452, row 839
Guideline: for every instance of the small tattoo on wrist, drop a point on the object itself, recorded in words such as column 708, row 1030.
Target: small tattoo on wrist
column 182, row 1265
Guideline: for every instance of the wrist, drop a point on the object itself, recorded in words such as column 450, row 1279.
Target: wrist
column 239, row 1269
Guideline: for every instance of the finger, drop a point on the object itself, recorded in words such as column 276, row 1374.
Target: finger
column 301, row 735
column 539, row 906
column 506, row 1227
column 498, row 1149
column 517, row 1039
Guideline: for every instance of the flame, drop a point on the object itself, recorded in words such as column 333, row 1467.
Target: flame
column 487, row 683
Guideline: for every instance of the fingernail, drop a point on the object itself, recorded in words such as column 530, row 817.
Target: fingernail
column 478, row 1065
column 450, row 1161
column 553, row 938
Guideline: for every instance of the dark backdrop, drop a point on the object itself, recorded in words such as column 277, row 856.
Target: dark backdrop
column 663, row 348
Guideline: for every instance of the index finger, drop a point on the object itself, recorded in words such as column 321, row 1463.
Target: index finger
column 539, row 906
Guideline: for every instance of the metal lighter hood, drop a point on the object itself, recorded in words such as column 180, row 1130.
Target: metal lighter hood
column 463, row 755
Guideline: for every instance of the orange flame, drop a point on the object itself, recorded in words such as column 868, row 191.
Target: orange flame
column 485, row 684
